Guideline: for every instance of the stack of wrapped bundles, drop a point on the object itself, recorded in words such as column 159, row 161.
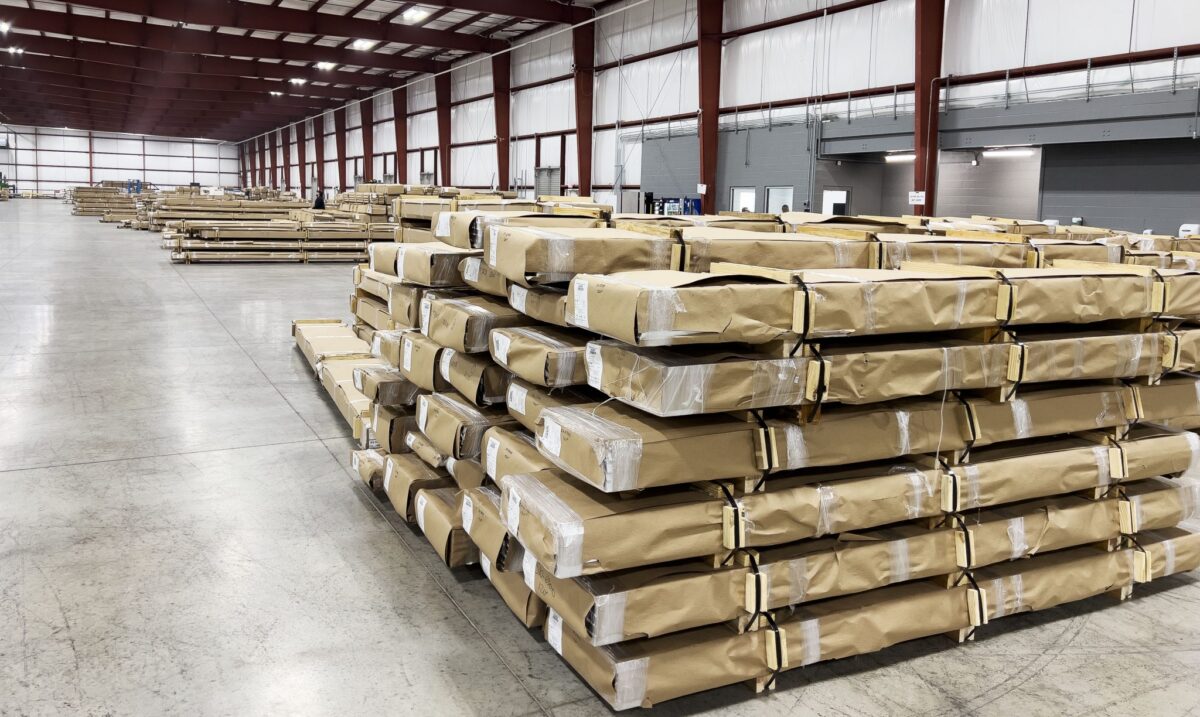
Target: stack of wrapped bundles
column 111, row 203
column 696, row 464
column 419, row 213
column 177, row 207
column 194, row 241
column 364, row 205
column 560, row 204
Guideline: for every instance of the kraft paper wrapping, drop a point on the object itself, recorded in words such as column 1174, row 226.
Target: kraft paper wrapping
column 575, row 530
column 526, row 401
column 474, row 376
column 1027, row 470
column 869, row 622
column 899, row 248
column 691, row 381
column 1166, row 552
column 705, row 245
column 1090, row 355
column 454, row 426
column 483, row 278
column 1174, row 402
column 479, row 510
column 668, row 308
column 541, row 355
column 545, row 304
column 417, row 356
column 386, row 386
column 1026, row 529
column 833, row 501
column 531, row 256
column 439, row 519
column 872, row 374
column 403, row 476
column 369, row 465
column 617, row 448
column 1053, row 579
column 1052, row 411
column 464, row 322
column 1158, row 503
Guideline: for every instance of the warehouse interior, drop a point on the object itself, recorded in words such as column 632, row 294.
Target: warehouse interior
column 887, row 400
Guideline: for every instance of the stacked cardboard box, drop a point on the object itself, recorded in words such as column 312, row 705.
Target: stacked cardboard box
column 697, row 478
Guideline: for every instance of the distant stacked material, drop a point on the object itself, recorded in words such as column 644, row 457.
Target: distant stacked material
column 102, row 202
column 705, row 455
column 278, row 240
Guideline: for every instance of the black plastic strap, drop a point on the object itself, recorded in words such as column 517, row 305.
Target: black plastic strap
column 1012, row 299
column 778, row 644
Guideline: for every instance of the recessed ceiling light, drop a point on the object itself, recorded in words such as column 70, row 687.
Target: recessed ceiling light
column 276, row 94
column 325, row 65
column 5, row 26
column 900, row 158
column 415, row 14
column 297, row 80
column 363, row 44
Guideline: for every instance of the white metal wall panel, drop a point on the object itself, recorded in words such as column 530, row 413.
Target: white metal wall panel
column 473, row 121
column 471, row 79
column 542, row 56
column 548, row 108
column 382, row 103
column 354, row 143
column 644, row 28
column 570, row 173
column 656, row 87
column 385, row 136
column 744, row 13
column 353, row 115
column 421, row 94
column 422, row 130
column 474, row 166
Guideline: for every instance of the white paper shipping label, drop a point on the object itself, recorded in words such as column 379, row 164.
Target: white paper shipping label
column 580, row 287
column 444, row 363
column 400, row 260
column 486, row 565
column 493, row 242
column 595, row 365
column 443, row 225
column 554, row 630
column 471, row 270
column 493, row 449
column 468, row 513
column 358, row 381
column 406, row 354
column 529, row 569
column 516, row 297
column 501, row 342
column 376, row 348
column 450, row 463
column 512, row 514
column 422, row 501
column 354, row 460
column 423, row 412
column 551, row 436
column 387, row 475
column 426, row 305
column 516, row 398
column 409, row 440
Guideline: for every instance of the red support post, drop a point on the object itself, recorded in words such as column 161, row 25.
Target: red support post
column 274, row 162
column 302, row 156
column 502, row 104
column 262, row 162
column 930, row 19
column 319, row 149
column 250, row 153
column 441, row 87
column 583, row 49
column 708, row 46
column 91, row 163
column 339, row 143
column 287, row 158
column 366, row 110
column 400, row 123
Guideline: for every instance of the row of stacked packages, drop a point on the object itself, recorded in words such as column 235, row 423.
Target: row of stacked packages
column 696, row 455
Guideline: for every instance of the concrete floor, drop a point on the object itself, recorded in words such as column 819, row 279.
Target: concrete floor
column 180, row 534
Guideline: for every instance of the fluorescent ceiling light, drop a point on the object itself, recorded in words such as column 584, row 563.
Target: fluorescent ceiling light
column 363, row 44
column 325, row 65
column 5, row 26
column 15, row 51
column 900, row 158
column 276, row 94
column 1010, row 152
column 415, row 14
column 297, row 80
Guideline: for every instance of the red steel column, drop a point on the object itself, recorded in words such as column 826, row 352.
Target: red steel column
column 287, row 157
column 441, row 87
column 400, row 122
column 91, row 162
column 502, row 104
column 302, row 156
column 583, row 49
column 708, row 45
column 339, row 142
column 366, row 110
column 250, row 147
column 319, row 148
column 274, row 162
column 262, row 161
column 930, row 19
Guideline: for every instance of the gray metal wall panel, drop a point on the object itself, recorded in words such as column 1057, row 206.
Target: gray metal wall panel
column 671, row 167
column 1152, row 184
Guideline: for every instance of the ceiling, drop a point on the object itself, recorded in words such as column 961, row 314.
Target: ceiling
column 229, row 69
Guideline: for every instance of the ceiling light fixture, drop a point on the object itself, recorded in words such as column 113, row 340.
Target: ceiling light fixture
column 415, row 14
column 275, row 93
column 363, row 44
column 325, row 65
column 1008, row 152
column 900, row 158
column 5, row 26
column 297, row 80
column 15, row 51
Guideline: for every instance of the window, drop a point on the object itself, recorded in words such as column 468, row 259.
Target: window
column 835, row 201
column 779, row 199
column 741, row 199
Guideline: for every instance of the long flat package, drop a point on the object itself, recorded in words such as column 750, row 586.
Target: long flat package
column 531, row 256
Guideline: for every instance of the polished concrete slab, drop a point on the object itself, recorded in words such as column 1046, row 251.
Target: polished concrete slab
column 180, row 534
